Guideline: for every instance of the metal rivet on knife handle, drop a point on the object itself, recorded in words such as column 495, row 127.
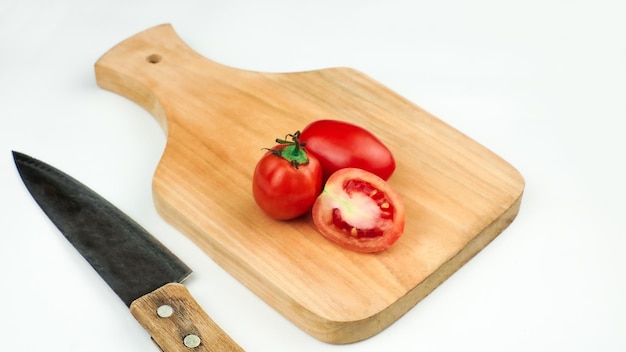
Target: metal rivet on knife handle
column 188, row 325
column 165, row 311
column 192, row 341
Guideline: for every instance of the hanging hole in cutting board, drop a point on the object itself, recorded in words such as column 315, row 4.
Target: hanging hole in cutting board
column 154, row 58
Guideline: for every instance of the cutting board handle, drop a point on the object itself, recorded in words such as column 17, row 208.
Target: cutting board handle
column 145, row 68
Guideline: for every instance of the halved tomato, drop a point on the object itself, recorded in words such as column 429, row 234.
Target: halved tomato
column 359, row 211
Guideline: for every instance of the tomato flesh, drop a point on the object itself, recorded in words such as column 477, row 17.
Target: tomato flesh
column 385, row 209
column 359, row 211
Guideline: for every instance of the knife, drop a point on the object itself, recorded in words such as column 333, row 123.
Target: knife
column 141, row 271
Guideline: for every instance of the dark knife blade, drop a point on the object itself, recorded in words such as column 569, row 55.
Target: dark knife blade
column 141, row 271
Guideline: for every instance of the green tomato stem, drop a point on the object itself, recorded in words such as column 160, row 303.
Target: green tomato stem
column 293, row 151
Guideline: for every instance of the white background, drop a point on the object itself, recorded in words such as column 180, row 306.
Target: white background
column 540, row 82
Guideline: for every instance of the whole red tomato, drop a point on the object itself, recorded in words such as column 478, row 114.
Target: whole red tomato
column 339, row 144
column 359, row 211
column 286, row 180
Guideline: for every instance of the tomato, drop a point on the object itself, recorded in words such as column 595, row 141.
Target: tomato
column 359, row 211
column 287, row 180
column 339, row 144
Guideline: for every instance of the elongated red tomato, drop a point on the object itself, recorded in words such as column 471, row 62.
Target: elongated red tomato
column 338, row 145
column 286, row 180
column 359, row 211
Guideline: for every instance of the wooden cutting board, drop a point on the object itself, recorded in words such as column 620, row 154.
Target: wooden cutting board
column 458, row 195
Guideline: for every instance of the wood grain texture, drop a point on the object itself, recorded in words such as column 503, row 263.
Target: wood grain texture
column 458, row 195
column 187, row 319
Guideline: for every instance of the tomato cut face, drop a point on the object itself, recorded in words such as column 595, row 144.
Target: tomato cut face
column 359, row 211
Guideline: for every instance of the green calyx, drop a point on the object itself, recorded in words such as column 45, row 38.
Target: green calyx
column 292, row 151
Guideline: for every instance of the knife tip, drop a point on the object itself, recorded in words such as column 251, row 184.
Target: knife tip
column 17, row 156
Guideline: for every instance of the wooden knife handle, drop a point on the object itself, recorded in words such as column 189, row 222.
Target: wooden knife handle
column 176, row 322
